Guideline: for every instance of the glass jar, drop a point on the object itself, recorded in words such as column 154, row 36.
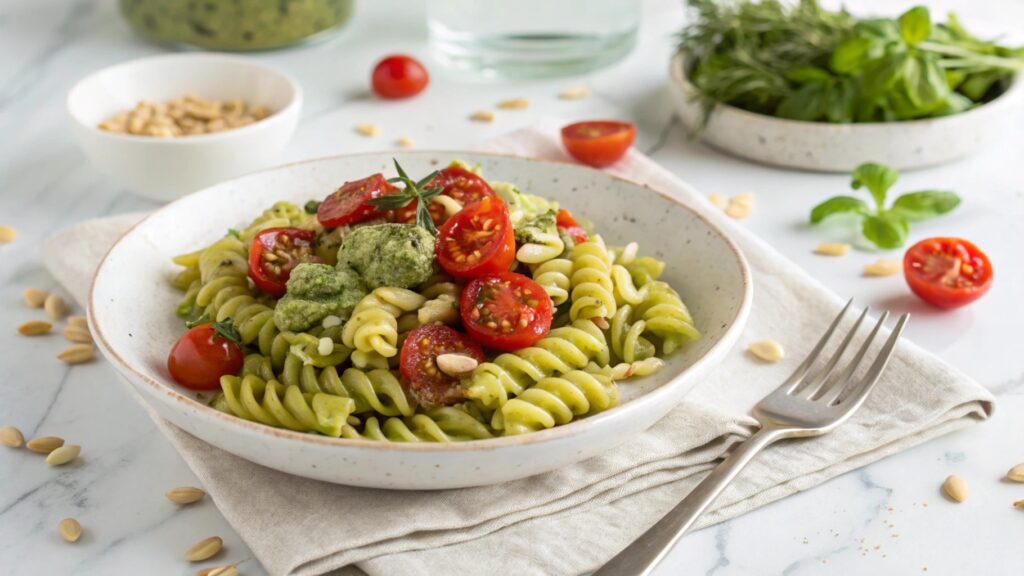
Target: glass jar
column 235, row 25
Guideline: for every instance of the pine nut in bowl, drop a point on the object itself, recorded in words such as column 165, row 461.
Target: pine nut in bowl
column 165, row 126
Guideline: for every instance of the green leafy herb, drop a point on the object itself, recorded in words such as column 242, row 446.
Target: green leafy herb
column 885, row 227
column 227, row 331
column 797, row 60
column 233, row 232
column 414, row 191
column 312, row 206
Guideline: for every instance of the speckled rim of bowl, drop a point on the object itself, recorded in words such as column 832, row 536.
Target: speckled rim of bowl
column 725, row 344
column 682, row 82
column 295, row 101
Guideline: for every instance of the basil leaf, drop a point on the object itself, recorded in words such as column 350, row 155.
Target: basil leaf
column 837, row 205
column 850, row 55
column 915, row 25
column 880, row 74
column 886, row 229
column 925, row 82
column 877, row 178
column 839, row 101
column 807, row 103
column 808, row 75
column 925, row 204
column 312, row 206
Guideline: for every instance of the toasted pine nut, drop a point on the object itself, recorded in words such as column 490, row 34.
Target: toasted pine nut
column 368, row 130
column 832, row 249
column 883, row 267
column 63, row 455
column 185, row 495
column 767, row 350
column 404, row 142
column 574, row 93
column 204, row 549
column 718, row 200
column 34, row 328
column 70, row 529
column 482, row 116
column 77, row 334
column 77, row 354
column 456, row 364
column 45, row 444
column 34, row 297
column 8, row 234
column 55, row 306
column 514, row 104
column 11, row 436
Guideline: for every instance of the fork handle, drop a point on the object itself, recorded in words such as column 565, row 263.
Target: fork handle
column 647, row 551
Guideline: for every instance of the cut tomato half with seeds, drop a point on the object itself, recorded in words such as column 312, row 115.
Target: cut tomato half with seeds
column 350, row 203
column 273, row 254
column 425, row 382
column 565, row 221
column 455, row 182
column 947, row 272
column 598, row 142
column 478, row 240
column 505, row 311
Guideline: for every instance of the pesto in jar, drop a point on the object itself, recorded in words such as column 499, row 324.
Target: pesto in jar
column 235, row 24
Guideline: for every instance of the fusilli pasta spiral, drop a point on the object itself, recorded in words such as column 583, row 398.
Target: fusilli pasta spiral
column 557, row 400
column 592, row 289
column 665, row 316
column 446, row 424
column 270, row 402
column 554, row 277
column 373, row 326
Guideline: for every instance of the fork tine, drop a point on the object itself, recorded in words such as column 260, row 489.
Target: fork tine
column 798, row 375
column 830, row 396
column 822, row 377
column 860, row 391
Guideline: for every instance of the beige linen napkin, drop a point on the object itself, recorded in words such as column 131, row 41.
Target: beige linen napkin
column 571, row 520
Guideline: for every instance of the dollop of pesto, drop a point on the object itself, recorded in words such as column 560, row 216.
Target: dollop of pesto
column 316, row 291
column 399, row 255
column 528, row 228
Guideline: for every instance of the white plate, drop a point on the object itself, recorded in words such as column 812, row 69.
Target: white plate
column 828, row 147
column 131, row 312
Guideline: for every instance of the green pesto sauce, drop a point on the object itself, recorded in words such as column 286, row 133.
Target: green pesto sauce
column 235, row 24
column 399, row 255
column 316, row 291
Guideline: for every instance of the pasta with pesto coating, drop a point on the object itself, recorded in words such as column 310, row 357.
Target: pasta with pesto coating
column 271, row 403
column 374, row 322
column 557, row 400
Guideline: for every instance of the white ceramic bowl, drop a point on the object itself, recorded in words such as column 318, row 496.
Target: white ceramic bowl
column 131, row 313
column 828, row 147
column 168, row 168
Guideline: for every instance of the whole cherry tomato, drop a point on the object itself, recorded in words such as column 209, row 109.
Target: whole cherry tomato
column 204, row 354
column 399, row 76
column 598, row 142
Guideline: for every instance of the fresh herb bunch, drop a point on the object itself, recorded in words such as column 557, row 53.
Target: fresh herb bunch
column 803, row 62
column 414, row 191
column 885, row 227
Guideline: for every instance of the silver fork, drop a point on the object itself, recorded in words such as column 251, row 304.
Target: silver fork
column 804, row 405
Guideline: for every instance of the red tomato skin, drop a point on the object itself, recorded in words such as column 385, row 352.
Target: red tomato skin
column 275, row 287
column 498, row 255
column 428, row 385
column 198, row 359
column 538, row 326
column 399, row 76
column 349, row 203
column 938, row 294
column 608, row 143
column 455, row 182
column 564, row 219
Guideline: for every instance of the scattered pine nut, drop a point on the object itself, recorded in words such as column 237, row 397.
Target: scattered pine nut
column 204, row 549
column 404, row 142
column 738, row 211
column 456, row 365
column 832, row 249
column 78, row 321
column 77, row 354
column 883, row 267
column 11, row 436
column 1019, row 504
column 482, row 116
column 8, row 234
column 574, row 93
column 955, row 487
column 746, row 198
column 1016, row 474
column 70, row 529
column 55, row 306
column 34, row 297
column 601, row 322
column 77, row 334
column 45, row 444
column 34, row 328
column 185, row 495
column 514, row 104
column 368, row 130
column 325, row 346
column 229, row 570
column 63, row 455
column 767, row 350
column 331, row 321
column 718, row 200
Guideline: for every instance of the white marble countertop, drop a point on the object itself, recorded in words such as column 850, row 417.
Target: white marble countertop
column 887, row 518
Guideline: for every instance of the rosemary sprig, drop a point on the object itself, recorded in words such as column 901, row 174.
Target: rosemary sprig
column 413, row 192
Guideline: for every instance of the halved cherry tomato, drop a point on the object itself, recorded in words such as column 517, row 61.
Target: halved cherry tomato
column 204, row 354
column 505, row 311
column 399, row 76
column 478, row 240
column 598, row 142
column 947, row 272
column 349, row 204
column 418, row 363
column 458, row 183
column 566, row 222
column 273, row 254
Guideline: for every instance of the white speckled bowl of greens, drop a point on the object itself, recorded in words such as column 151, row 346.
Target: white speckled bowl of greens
column 132, row 317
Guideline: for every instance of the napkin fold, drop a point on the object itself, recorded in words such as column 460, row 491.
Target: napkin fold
column 572, row 520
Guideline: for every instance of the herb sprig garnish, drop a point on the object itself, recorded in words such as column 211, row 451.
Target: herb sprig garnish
column 414, row 191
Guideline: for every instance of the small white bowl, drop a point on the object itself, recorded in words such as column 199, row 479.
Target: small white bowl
column 167, row 168
column 826, row 147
